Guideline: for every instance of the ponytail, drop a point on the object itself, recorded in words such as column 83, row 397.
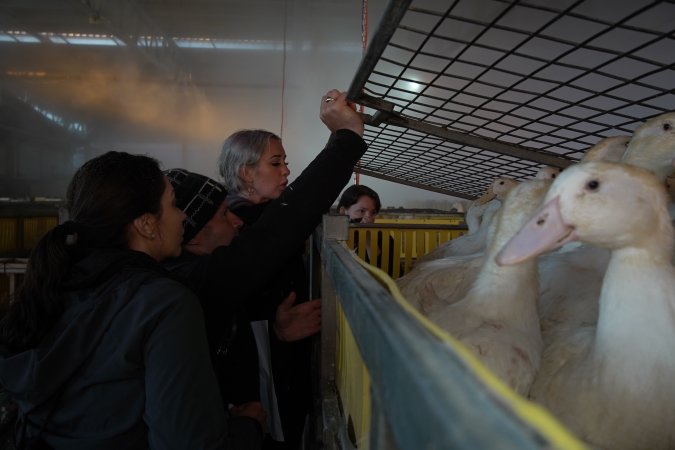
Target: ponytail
column 104, row 196
column 38, row 301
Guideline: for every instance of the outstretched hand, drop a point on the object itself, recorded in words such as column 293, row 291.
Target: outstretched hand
column 253, row 410
column 297, row 322
column 339, row 114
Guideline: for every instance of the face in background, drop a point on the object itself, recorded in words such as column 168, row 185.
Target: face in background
column 267, row 179
column 169, row 230
column 363, row 211
column 219, row 231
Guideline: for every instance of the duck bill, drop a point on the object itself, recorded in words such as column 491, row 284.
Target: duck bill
column 545, row 231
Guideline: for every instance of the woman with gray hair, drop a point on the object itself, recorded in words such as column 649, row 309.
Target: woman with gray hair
column 254, row 170
column 253, row 165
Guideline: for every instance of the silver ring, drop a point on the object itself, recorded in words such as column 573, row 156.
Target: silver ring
column 329, row 99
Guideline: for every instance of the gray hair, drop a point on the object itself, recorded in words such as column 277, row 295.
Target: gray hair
column 241, row 149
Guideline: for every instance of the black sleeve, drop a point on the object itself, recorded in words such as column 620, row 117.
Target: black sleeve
column 259, row 252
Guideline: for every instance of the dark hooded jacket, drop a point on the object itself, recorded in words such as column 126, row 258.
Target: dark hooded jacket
column 125, row 367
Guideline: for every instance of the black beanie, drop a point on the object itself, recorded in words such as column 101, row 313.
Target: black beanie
column 198, row 196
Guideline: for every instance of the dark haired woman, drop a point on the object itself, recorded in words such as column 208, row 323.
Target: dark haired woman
column 360, row 203
column 101, row 347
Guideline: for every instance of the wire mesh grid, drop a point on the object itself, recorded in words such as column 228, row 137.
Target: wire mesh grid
column 464, row 91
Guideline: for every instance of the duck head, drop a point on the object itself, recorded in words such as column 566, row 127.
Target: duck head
column 653, row 146
column 605, row 204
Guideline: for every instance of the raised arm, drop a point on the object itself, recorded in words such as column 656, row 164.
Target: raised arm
column 289, row 220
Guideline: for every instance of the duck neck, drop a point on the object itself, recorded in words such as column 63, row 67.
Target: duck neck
column 472, row 218
column 506, row 291
column 637, row 312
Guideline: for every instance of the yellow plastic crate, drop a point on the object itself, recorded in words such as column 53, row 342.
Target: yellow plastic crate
column 455, row 220
column 394, row 247
column 34, row 228
column 18, row 235
column 9, row 236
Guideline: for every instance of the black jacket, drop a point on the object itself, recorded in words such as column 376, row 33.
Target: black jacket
column 290, row 360
column 126, row 365
column 228, row 281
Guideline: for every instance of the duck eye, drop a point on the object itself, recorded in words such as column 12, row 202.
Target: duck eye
column 501, row 183
column 553, row 175
column 593, row 185
column 667, row 126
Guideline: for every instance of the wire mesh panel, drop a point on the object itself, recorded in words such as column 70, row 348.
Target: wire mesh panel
column 460, row 92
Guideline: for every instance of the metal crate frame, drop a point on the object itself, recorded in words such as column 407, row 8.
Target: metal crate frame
column 459, row 92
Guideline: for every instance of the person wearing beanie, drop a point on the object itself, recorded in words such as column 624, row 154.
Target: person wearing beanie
column 208, row 225
column 226, row 270
column 198, row 196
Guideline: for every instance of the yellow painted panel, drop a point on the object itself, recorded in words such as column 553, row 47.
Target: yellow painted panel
column 407, row 244
column 353, row 383
column 8, row 235
column 435, row 220
column 36, row 227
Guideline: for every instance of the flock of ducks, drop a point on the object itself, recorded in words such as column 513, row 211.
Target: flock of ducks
column 477, row 218
column 571, row 297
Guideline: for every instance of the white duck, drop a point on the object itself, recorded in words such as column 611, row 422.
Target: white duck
column 612, row 384
column 571, row 278
column 437, row 278
column 478, row 219
column 497, row 319
column 478, row 212
column 569, row 287
column 607, row 149
column 653, row 146
column 458, row 207
column 547, row 173
column 434, row 284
